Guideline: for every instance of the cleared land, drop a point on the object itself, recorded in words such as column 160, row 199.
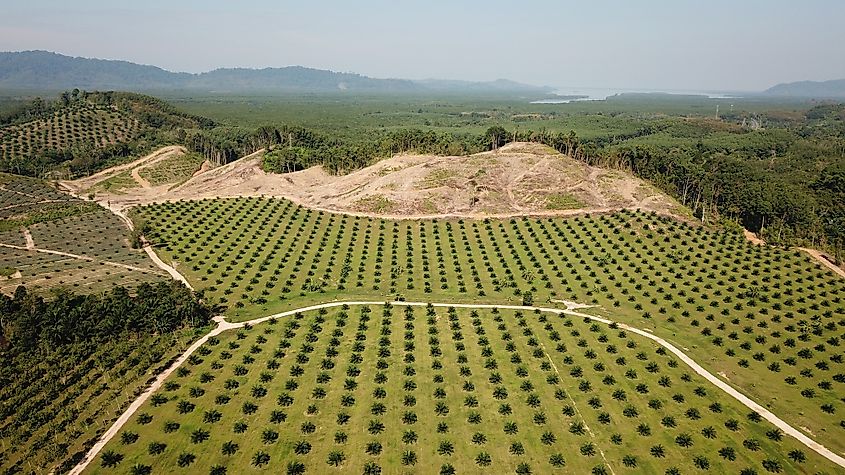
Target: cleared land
column 50, row 239
column 461, row 390
column 770, row 321
column 518, row 179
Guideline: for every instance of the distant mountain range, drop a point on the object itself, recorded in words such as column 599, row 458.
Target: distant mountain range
column 43, row 70
column 834, row 89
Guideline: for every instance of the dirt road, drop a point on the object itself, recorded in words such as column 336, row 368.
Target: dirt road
column 82, row 184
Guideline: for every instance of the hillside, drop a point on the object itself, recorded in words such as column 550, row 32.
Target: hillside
column 153, row 174
column 833, row 89
column 44, row 70
column 518, row 179
column 83, row 131
column 50, row 240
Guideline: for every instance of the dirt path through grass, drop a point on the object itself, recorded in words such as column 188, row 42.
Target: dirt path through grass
column 82, row 184
column 821, row 258
column 30, row 243
column 223, row 325
column 74, row 256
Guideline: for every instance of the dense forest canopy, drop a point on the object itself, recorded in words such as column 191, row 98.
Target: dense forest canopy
column 68, row 362
column 32, row 325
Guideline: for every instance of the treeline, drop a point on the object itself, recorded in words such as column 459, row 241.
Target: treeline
column 32, row 325
column 71, row 363
column 786, row 184
column 295, row 148
column 148, row 110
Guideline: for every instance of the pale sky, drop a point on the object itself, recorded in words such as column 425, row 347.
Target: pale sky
column 656, row 44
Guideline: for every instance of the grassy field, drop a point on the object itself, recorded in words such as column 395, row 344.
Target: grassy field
column 58, row 222
column 422, row 390
column 176, row 169
column 769, row 321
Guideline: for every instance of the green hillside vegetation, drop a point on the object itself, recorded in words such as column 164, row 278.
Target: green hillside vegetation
column 432, row 390
column 83, row 132
column 770, row 319
column 73, row 363
column 174, row 170
column 60, row 223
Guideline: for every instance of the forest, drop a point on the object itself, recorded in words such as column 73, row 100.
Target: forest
column 32, row 324
column 70, row 361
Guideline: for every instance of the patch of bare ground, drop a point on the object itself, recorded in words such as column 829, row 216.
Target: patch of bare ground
column 518, row 179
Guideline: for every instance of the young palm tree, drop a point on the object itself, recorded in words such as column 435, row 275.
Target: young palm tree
column 110, row 458
column 335, row 458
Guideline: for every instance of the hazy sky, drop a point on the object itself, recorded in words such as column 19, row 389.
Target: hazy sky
column 669, row 44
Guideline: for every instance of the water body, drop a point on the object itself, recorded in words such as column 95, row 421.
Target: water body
column 577, row 94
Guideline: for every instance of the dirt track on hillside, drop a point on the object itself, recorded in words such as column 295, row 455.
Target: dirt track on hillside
column 83, row 184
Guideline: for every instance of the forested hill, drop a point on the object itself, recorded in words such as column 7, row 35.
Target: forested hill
column 42, row 70
column 83, row 132
column 834, row 89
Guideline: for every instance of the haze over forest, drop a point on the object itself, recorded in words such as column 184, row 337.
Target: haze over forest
column 713, row 46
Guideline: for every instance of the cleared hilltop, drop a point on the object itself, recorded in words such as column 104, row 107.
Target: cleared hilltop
column 518, row 179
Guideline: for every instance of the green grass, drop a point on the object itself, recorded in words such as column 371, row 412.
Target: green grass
column 770, row 320
column 176, row 169
column 563, row 201
column 595, row 396
column 117, row 183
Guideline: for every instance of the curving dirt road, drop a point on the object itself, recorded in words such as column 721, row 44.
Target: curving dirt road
column 223, row 325
column 82, row 184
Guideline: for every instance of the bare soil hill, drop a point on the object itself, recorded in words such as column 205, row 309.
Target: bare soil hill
column 518, row 179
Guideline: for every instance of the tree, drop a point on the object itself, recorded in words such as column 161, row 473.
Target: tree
column 229, row 448
column 335, row 458
column 527, row 299
column 295, row 467
column 110, row 458
column 557, row 460
column 260, row 458
column 185, row 459
column 496, row 136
